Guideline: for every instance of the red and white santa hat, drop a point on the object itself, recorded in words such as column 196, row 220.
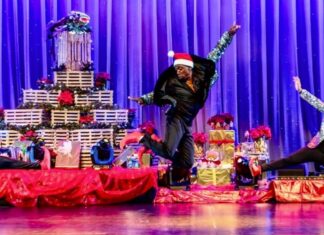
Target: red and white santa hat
column 181, row 59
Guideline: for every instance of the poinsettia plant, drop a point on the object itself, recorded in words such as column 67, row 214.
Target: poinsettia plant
column 221, row 121
column 228, row 118
column 66, row 98
column 199, row 138
column 101, row 80
column 259, row 132
column 86, row 119
column 29, row 135
column 1, row 114
column 44, row 82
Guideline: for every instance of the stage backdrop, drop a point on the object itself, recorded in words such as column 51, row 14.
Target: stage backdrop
column 131, row 38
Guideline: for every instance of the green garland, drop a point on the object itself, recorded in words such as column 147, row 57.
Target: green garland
column 76, row 90
column 67, row 126
column 84, row 109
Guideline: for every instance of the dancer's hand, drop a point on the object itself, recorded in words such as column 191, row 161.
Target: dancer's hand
column 233, row 29
column 298, row 86
column 138, row 100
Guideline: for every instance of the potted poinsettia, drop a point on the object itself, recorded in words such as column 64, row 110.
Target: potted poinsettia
column 223, row 121
column 102, row 81
column 200, row 139
column 260, row 135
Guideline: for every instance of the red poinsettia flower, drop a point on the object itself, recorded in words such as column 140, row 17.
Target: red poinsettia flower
column 1, row 113
column 29, row 135
column 260, row 132
column 103, row 75
column 228, row 118
column 199, row 138
column 216, row 119
column 266, row 131
column 66, row 98
column 86, row 119
column 255, row 133
column 101, row 79
column 44, row 80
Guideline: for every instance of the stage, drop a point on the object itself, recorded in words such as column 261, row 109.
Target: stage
column 68, row 188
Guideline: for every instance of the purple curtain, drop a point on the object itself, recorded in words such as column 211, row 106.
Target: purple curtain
column 131, row 38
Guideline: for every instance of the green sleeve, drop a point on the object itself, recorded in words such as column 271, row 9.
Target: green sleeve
column 148, row 98
column 216, row 53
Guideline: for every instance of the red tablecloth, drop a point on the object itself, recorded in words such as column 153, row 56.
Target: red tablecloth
column 28, row 188
column 298, row 190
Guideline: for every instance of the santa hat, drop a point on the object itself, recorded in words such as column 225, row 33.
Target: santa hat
column 181, row 59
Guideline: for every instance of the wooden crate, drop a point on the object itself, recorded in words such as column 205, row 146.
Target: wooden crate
column 105, row 97
column 8, row 137
column 89, row 137
column 53, row 136
column 40, row 96
column 118, row 136
column 65, row 116
column 21, row 117
column 110, row 116
column 82, row 79
column 85, row 158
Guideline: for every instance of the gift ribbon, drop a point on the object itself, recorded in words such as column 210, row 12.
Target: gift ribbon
column 220, row 142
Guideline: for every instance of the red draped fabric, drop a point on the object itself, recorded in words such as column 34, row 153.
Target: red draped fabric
column 213, row 194
column 298, row 190
column 63, row 188
column 279, row 191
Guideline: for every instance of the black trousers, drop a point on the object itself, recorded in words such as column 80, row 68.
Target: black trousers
column 8, row 163
column 178, row 145
column 301, row 156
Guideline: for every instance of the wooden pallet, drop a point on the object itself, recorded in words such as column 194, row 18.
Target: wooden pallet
column 110, row 116
column 89, row 137
column 8, row 137
column 64, row 116
column 105, row 97
column 53, row 136
column 40, row 96
column 82, row 79
column 21, row 117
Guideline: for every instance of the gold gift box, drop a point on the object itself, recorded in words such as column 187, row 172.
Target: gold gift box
column 222, row 141
column 146, row 160
column 214, row 176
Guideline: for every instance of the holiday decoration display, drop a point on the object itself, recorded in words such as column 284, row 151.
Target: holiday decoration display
column 73, row 111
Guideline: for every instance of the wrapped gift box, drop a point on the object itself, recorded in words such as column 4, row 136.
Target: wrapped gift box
column 222, row 141
column 68, row 154
column 214, row 176
column 146, row 160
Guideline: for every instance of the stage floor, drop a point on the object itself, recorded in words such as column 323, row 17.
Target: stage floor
column 174, row 218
